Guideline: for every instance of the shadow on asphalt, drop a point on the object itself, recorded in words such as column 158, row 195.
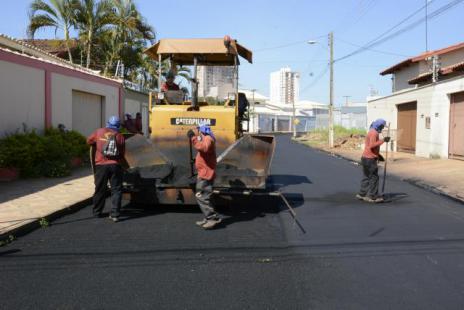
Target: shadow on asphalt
column 238, row 209
column 12, row 251
column 394, row 197
column 343, row 198
column 279, row 181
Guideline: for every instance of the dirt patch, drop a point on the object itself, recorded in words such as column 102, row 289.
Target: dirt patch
column 345, row 142
column 351, row 142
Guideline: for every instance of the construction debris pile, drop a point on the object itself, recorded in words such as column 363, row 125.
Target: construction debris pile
column 351, row 142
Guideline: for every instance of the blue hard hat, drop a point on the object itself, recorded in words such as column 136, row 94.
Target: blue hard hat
column 114, row 122
column 206, row 130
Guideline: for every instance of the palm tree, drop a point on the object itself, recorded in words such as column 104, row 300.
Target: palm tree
column 59, row 14
column 149, row 72
column 128, row 35
column 92, row 17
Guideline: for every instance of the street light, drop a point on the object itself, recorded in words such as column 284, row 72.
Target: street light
column 331, row 92
column 294, row 120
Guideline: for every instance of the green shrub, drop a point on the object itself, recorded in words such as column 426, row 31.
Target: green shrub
column 23, row 151
column 42, row 155
column 54, row 168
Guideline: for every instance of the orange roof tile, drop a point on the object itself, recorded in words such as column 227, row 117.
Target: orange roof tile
column 421, row 57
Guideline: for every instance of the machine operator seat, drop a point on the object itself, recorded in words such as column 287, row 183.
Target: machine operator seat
column 174, row 96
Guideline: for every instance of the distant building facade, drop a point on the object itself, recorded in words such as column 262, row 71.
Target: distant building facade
column 39, row 90
column 272, row 117
column 351, row 115
column 284, row 86
column 215, row 81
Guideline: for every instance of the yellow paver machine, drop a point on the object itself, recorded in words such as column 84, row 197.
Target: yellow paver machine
column 161, row 167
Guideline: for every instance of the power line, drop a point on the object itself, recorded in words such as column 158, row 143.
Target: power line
column 363, row 7
column 290, row 61
column 279, row 46
column 382, row 38
column 368, row 7
column 370, row 49
column 398, row 24
column 286, row 45
column 317, row 79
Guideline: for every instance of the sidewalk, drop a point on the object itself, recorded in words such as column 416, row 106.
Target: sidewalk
column 443, row 176
column 24, row 202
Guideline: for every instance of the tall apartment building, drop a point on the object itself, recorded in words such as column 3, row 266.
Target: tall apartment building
column 215, row 81
column 285, row 86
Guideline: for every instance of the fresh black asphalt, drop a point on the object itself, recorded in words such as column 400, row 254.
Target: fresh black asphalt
column 406, row 254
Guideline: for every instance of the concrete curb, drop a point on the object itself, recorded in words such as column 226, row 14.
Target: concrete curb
column 35, row 224
column 416, row 182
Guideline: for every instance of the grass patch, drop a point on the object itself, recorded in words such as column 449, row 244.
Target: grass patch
column 320, row 137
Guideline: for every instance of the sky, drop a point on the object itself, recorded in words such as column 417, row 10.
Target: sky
column 277, row 32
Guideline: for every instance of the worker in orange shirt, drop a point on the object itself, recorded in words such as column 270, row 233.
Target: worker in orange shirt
column 370, row 183
column 205, row 163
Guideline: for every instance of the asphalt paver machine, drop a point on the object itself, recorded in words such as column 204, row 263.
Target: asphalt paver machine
column 161, row 167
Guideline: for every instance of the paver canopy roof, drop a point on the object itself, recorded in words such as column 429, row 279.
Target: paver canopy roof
column 208, row 51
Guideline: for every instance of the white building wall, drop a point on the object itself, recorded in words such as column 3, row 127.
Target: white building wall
column 450, row 58
column 284, row 86
column 275, row 86
column 432, row 101
column 61, row 91
column 22, row 97
column 402, row 77
column 134, row 102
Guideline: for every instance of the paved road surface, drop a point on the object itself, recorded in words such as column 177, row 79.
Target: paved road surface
column 408, row 254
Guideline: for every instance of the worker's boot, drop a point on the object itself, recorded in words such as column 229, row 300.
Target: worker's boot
column 201, row 223
column 210, row 224
column 374, row 200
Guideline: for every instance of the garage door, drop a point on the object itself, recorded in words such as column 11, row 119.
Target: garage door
column 87, row 112
column 407, row 115
column 456, row 143
column 283, row 125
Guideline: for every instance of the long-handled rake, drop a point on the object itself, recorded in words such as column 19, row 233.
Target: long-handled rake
column 385, row 164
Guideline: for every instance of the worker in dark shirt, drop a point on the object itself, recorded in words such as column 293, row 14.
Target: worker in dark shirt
column 169, row 84
column 109, row 161
column 138, row 123
column 370, row 183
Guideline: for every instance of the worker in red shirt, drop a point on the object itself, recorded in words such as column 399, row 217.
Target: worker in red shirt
column 169, row 84
column 370, row 183
column 109, row 161
column 205, row 163
column 138, row 122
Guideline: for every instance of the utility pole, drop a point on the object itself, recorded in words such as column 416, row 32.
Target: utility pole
column 426, row 26
column 331, row 94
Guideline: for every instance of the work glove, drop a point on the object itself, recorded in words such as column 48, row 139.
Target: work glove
column 386, row 139
column 190, row 134
column 380, row 158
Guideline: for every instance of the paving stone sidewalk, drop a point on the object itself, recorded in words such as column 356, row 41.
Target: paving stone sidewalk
column 25, row 201
column 444, row 176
